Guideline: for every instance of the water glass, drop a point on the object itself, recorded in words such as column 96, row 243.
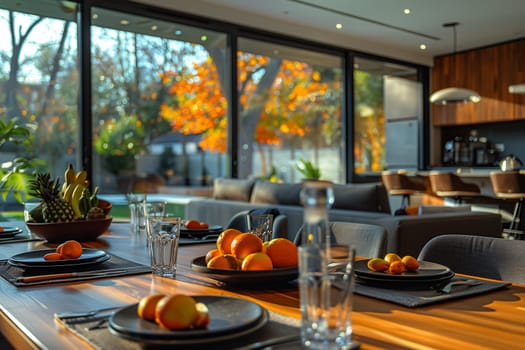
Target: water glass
column 261, row 225
column 156, row 208
column 326, row 296
column 136, row 203
column 163, row 243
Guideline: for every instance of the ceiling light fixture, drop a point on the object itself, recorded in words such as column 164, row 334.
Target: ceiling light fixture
column 339, row 26
column 422, row 47
column 406, row 11
column 454, row 94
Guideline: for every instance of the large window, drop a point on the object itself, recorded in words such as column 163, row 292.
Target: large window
column 39, row 80
column 290, row 107
column 159, row 105
column 387, row 116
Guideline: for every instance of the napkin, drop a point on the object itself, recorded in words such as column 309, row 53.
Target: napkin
column 416, row 298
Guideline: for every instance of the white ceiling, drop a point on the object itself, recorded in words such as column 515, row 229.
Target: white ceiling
column 374, row 26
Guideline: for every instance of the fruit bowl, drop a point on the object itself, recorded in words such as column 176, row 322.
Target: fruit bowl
column 105, row 205
column 81, row 230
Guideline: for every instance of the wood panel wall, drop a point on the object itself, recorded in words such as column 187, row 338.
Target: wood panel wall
column 489, row 71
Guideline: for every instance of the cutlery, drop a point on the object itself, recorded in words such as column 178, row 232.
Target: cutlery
column 66, row 315
column 56, row 276
column 448, row 287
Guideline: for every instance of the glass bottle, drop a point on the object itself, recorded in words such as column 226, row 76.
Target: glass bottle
column 317, row 197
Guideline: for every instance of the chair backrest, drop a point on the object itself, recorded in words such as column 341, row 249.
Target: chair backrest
column 279, row 227
column 508, row 184
column 368, row 240
column 481, row 256
column 443, row 182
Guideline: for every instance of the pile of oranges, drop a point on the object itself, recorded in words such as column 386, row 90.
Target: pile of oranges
column 68, row 250
column 174, row 312
column 393, row 263
column 245, row 251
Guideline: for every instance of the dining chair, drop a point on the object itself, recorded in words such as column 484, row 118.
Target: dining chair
column 510, row 185
column 368, row 240
column 240, row 221
column 487, row 257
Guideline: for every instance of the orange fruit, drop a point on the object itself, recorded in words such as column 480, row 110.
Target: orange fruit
column 378, row 264
column 283, row 252
column 224, row 241
column 203, row 225
column 52, row 256
column 257, row 261
column 410, row 262
column 147, row 306
column 1, row 229
column 245, row 244
column 192, row 224
column 265, row 246
column 211, row 254
column 203, row 317
column 396, row 267
column 391, row 257
column 224, row 262
column 70, row 249
column 177, row 311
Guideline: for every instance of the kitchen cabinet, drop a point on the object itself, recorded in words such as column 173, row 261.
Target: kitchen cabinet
column 489, row 71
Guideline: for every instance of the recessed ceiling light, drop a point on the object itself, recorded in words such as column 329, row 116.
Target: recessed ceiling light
column 95, row 16
column 339, row 26
column 154, row 27
column 422, row 47
column 204, row 38
column 124, row 22
column 407, row 11
column 178, row 32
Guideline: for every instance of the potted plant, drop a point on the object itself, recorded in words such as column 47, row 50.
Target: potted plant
column 17, row 174
column 309, row 171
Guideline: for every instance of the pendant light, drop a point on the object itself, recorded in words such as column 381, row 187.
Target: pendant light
column 454, row 94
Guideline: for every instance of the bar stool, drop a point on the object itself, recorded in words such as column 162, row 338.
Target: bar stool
column 449, row 185
column 397, row 183
column 510, row 185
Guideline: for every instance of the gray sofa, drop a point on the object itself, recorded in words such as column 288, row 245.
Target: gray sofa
column 361, row 203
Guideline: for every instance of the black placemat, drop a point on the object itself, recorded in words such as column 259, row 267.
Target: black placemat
column 96, row 333
column 12, row 273
column 416, row 298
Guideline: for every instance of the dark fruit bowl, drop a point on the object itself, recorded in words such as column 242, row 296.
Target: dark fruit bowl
column 105, row 205
column 81, row 230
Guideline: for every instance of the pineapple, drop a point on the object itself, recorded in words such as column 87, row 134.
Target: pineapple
column 54, row 207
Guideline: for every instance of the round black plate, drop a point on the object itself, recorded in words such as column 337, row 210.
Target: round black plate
column 413, row 284
column 10, row 231
column 426, row 270
column 229, row 318
column 195, row 232
column 259, row 278
column 36, row 258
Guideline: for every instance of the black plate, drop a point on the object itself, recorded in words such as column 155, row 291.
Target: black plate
column 412, row 284
column 36, row 258
column 212, row 229
column 264, row 277
column 229, row 318
column 426, row 270
column 10, row 231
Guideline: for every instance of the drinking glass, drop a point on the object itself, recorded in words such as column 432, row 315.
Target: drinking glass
column 163, row 243
column 325, row 287
column 136, row 202
column 261, row 225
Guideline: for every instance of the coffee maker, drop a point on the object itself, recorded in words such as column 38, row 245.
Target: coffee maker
column 472, row 151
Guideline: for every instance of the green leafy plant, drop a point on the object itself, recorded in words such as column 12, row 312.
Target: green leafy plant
column 118, row 142
column 308, row 170
column 16, row 175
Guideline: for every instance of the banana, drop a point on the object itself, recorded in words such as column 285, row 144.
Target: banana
column 81, row 177
column 75, row 199
column 69, row 174
column 68, row 193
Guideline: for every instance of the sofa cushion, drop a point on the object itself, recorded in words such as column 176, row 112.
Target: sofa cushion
column 233, row 189
column 276, row 193
column 363, row 197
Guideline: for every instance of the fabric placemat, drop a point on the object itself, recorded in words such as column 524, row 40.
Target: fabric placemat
column 94, row 330
column 416, row 298
column 121, row 267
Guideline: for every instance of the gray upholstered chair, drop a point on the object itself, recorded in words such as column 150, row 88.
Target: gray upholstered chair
column 368, row 240
column 279, row 227
column 487, row 257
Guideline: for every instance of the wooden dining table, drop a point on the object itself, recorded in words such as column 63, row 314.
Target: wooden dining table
column 494, row 320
